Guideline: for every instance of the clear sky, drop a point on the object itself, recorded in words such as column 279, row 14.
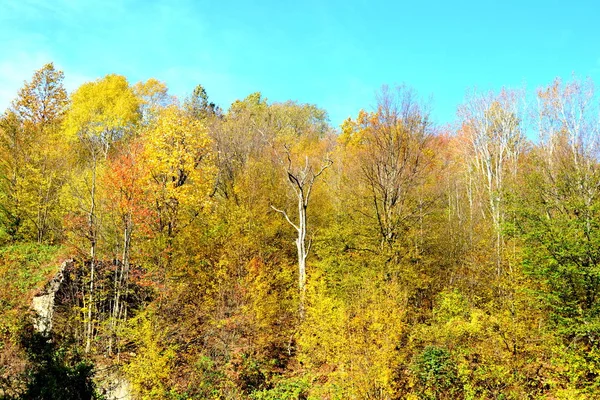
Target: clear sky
column 334, row 54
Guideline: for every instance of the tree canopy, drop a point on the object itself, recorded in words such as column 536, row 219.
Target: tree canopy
column 257, row 252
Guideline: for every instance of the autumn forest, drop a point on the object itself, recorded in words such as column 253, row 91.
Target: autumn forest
column 258, row 252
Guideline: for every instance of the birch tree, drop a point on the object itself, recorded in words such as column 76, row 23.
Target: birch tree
column 569, row 126
column 492, row 124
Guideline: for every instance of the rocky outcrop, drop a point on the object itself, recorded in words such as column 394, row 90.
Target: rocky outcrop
column 110, row 382
column 119, row 390
column 43, row 303
column 112, row 385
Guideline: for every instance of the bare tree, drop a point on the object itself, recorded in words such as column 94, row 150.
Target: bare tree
column 391, row 145
column 569, row 129
column 568, row 115
column 302, row 180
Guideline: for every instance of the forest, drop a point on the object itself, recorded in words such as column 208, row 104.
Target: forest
column 258, row 252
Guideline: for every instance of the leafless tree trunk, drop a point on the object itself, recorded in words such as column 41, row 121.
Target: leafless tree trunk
column 302, row 181
column 93, row 238
column 121, row 279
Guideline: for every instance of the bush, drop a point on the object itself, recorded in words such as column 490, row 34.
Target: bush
column 436, row 374
column 56, row 374
column 286, row 389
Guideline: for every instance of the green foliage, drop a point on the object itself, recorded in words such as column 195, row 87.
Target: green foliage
column 436, row 373
column 30, row 261
column 285, row 389
column 24, row 268
column 210, row 379
column 250, row 374
column 562, row 254
column 56, row 374
column 198, row 106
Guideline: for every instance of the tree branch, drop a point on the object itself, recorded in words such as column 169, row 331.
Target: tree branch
column 286, row 217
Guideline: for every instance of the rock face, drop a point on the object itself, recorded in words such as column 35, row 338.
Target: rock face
column 113, row 386
column 43, row 304
column 120, row 390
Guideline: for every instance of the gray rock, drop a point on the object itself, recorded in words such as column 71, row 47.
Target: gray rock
column 43, row 304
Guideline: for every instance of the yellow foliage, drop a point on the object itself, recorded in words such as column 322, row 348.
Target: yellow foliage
column 323, row 333
column 152, row 365
column 177, row 148
column 355, row 347
column 102, row 111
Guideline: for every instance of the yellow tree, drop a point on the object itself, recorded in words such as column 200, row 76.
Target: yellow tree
column 12, row 145
column 240, row 137
column 102, row 113
column 180, row 173
column 33, row 166
column 153, row 95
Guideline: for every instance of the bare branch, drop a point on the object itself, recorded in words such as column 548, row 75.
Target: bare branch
column 293, row 179
column 287, row 218
column 328, row 163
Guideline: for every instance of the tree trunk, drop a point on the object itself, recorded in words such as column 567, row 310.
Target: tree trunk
column 92, row 235
column 302, row 182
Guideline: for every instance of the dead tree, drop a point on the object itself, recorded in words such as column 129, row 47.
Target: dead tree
column 302, row 181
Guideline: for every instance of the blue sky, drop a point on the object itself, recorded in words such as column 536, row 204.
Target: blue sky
column 335, row 54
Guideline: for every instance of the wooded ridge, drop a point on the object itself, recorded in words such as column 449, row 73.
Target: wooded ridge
column 260, row 253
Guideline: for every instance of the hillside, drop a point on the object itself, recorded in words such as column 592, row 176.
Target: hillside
column 257, row 252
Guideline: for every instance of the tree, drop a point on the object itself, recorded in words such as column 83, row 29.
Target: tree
column 492, row 125
column 179, row 173
column 390, row 147
column 241, row 136
column 125, row 176
column 153, row 96
column 302, row 181
column 12, row 146
column 102, row 112
column 42, row 102
column 198, row 106
column 31, row 146
column 303, row 126
column 562, row 208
